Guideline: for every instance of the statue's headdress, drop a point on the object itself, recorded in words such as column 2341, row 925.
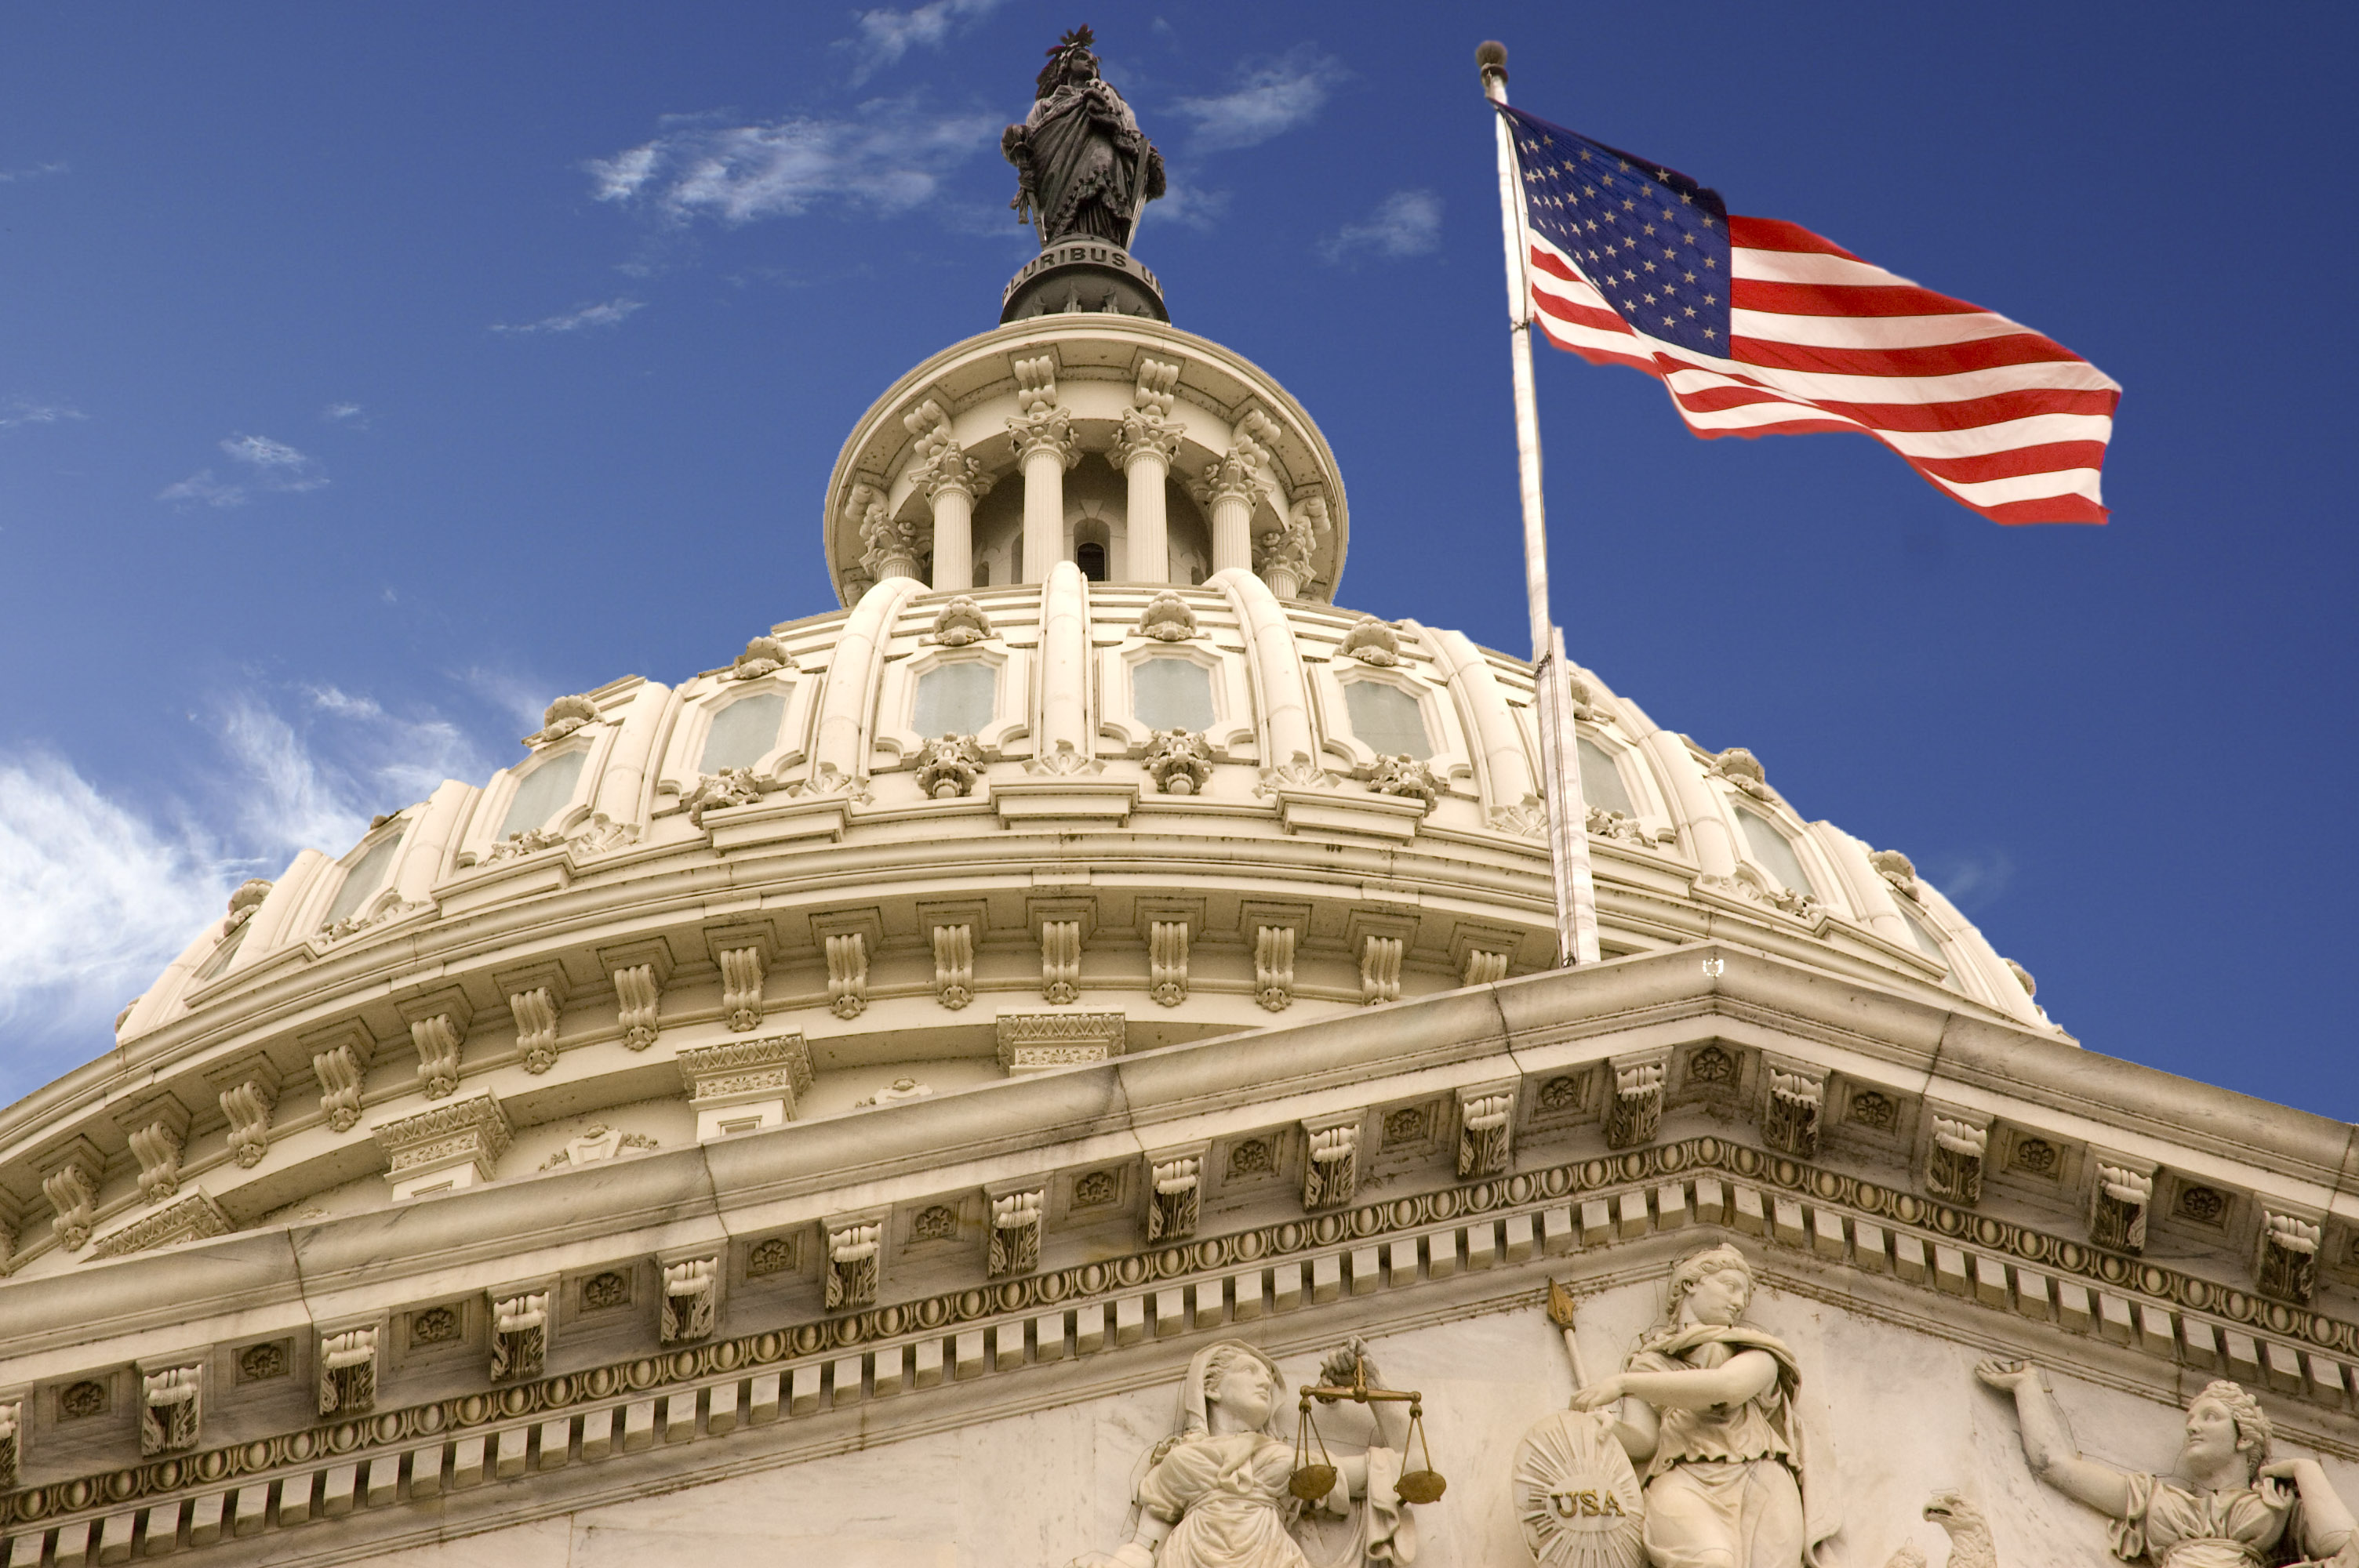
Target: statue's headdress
column 1078, row 41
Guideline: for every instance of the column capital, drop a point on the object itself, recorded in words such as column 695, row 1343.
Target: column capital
column 1145, row 433
column 951, row 468
column 1048, row 430
column 891, row 546
column 1231, row 477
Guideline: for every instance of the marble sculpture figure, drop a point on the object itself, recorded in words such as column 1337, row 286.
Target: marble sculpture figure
column 1707, row 1415
column 1214, row 1494
column 2229, row 1506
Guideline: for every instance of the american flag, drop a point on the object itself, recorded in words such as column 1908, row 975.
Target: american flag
column 1758, row 327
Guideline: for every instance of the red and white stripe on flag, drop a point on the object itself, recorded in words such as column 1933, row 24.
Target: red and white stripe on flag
column 2009, row 423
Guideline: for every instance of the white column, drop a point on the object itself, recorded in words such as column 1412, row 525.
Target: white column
column 953, row 503
column 1044, row 509
column 1043, row 435
column 1228, row 492
column 1144, row 451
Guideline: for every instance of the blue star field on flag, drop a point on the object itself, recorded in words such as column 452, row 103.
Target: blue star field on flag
column 1653, row 241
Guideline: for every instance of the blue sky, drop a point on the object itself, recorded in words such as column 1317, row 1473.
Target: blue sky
column 369, row 377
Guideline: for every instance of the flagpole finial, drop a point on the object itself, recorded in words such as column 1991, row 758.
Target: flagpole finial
column 1491, row 58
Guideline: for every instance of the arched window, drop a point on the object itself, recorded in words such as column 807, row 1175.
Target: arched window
column 1773, row 853
column 1169, row 692
column 1388, row 720
column 546, row 787
column 1600, row 781
column 1092, row 558
column 742, row 732
column 955, row 698
column 1925, row 937
column 366, row 874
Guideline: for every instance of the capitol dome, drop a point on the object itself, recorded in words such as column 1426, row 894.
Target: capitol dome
column 825, row 1107
column 1124, row 777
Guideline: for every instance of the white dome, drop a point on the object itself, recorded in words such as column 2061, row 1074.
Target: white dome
column 1150, row 814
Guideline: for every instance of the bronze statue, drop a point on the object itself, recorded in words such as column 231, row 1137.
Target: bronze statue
column 1083, row 168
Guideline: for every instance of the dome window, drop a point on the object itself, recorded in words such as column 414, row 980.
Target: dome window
column 366, row 874
column 1601, row 780
column 1925, row 938
column 1773, row 853
column 540, row 792
column 742, row 732
column 218, row 962
column 1092, row 558
column 956, row 698
column 1386, row 719
column 1169, row 692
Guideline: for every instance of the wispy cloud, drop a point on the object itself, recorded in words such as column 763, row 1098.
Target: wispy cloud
column 350, row 415
column 887, row 157
column 1973, row 882
column 1190, row 206
column 267, row 466
column 19, row 411
column 608, row 313
column 99, row 889
column 31, row 171
column 1405, row 223
column 95, row 897
column 885, row 35
column 1271, row 97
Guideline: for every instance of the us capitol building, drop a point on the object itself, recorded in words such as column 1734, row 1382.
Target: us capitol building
column 937, row 1086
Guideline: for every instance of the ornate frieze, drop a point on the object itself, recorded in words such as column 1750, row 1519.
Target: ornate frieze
column 456, row 1144
column 1030, row 1042
column 746, row 1075
column 191, row 1216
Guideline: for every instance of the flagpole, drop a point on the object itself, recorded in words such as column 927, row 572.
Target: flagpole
column 1568, row 818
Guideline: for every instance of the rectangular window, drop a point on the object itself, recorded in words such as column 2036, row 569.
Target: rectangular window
column 955, row 698
column 1600, row 781
column 1387, row 720
column 1170, row 692
column 742, row 732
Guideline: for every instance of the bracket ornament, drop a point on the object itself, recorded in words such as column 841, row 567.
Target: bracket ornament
column 171, row 1409
column 1953, row 1165
column 1016, row 1233
column 1167, row 961
column 847, row 973
column 1060, row 961
column 1330, row 1170
column 348, row 1372
column 691, row 1300
column 2289, row 1260
column 1638, row 1108
column 2118, row 1208
column 955, row 965
column 1179, row 762
column 1486, row 1127
column 71, row 1183
column 742, row 972
column 1274, row 967
column 947, row 766
column 1175, row 1197
column 639, row 996
column 520, row 1336
column 439, row 1039
column 1380, row 970
column 1796, row 1100
column 851, row 1264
